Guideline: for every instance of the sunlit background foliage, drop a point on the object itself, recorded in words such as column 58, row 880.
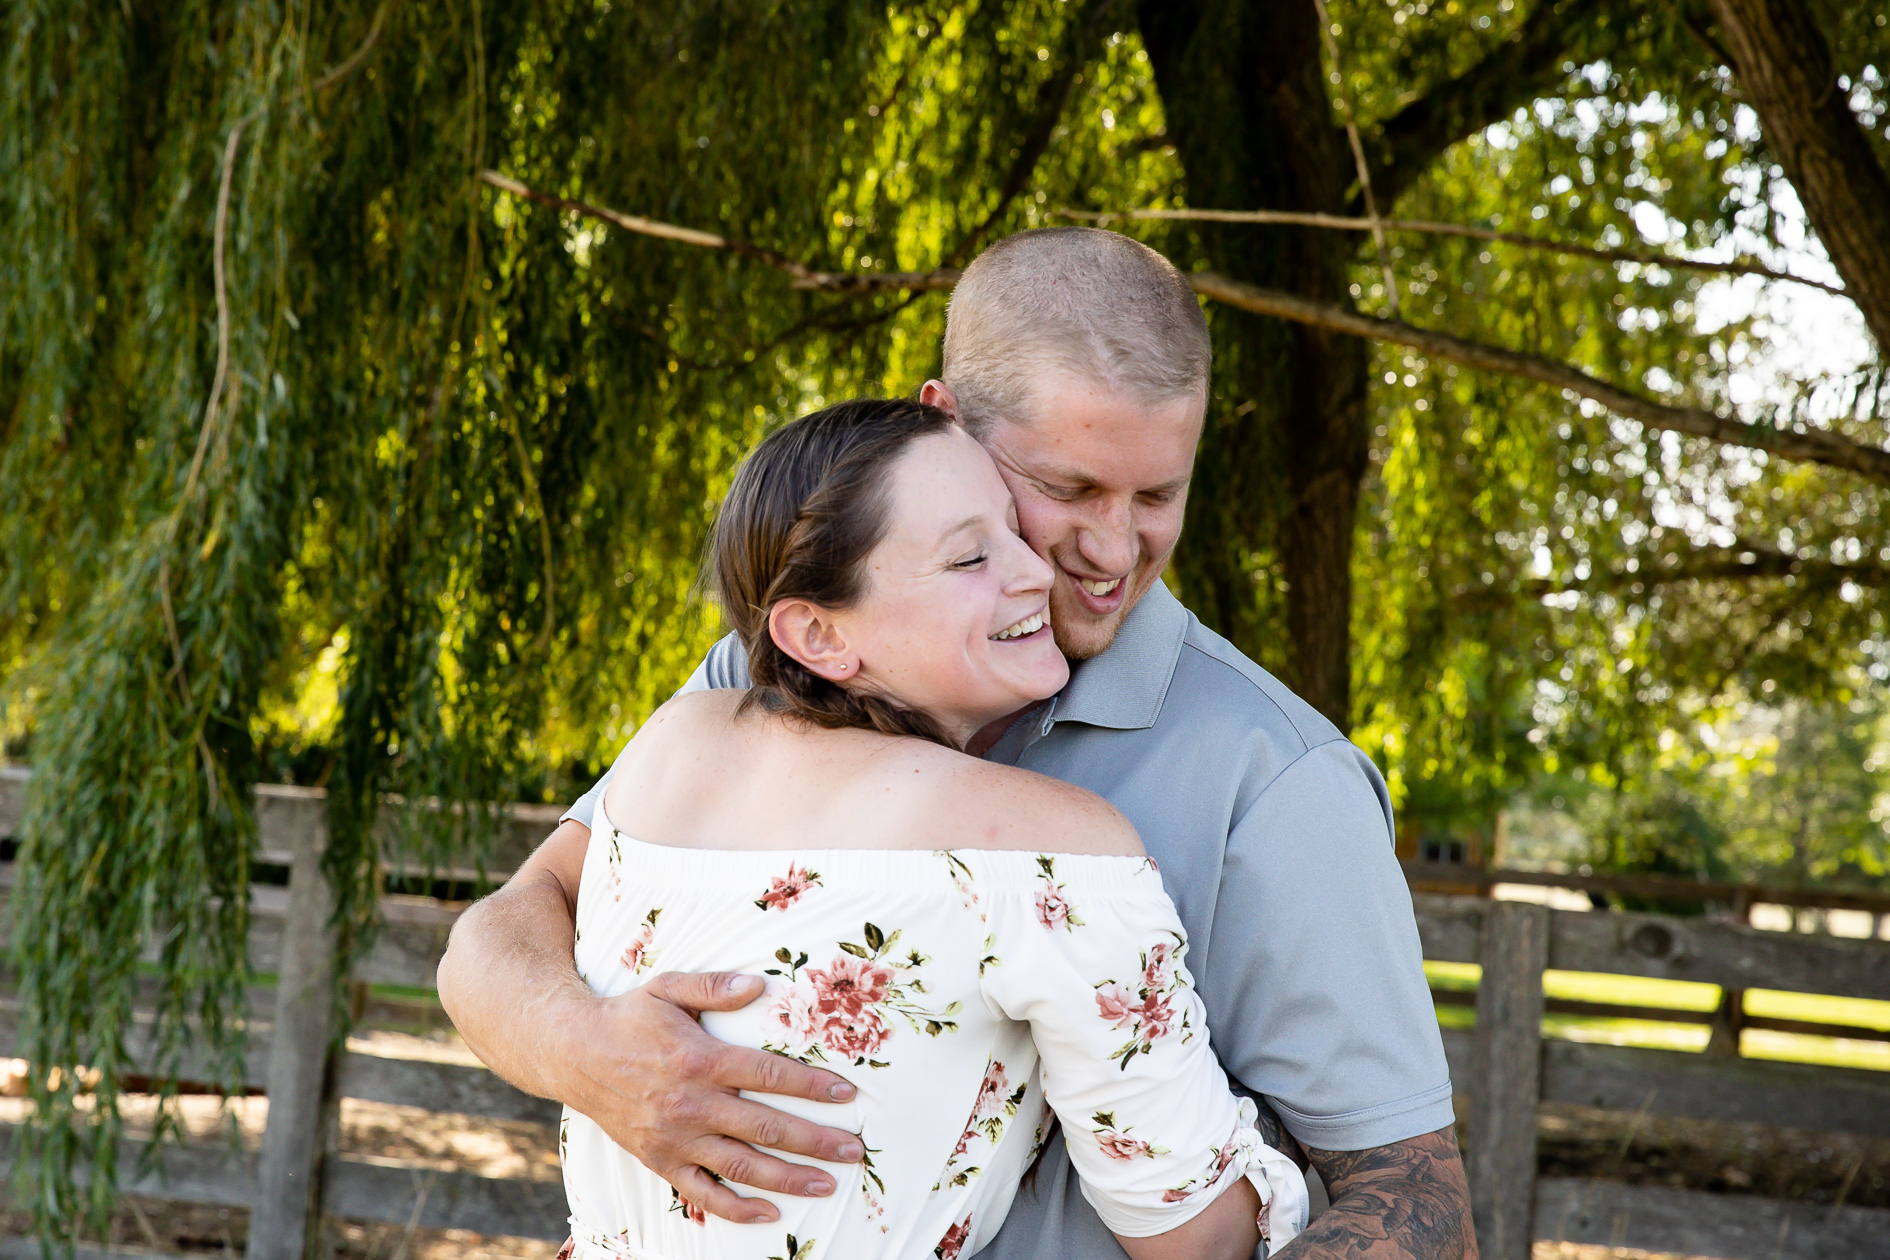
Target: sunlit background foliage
column 438, row 534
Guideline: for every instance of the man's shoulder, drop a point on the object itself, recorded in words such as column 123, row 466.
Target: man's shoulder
column 1216, row 685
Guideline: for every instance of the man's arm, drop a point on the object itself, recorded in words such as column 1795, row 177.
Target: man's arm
column 638, row 1064
column 1405, row 1201
column 1316, row 991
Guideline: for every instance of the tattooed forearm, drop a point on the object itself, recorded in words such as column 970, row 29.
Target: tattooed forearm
column 1406, row 1201
column 1274, row 1134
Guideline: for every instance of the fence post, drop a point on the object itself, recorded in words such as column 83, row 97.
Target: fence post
column 1729, row 1020
column 1506, row 1057
column 285, row 1217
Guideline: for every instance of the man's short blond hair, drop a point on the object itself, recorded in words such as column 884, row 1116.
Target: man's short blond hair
column 1082, row 301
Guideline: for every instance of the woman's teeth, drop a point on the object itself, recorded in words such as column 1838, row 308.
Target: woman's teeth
column 1029, row 625
column 1099, row 589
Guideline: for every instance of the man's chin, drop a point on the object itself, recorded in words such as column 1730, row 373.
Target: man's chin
column 1081, row 637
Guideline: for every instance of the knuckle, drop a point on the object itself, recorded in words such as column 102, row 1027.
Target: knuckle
column 772, row 1131
column 698, row 1062
column 679, row 1106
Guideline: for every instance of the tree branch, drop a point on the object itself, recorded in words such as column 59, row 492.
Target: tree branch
column 1809, row 445
column 1348, row 223
column 1712, row 564
column 1783, row 61
column 1523, row 67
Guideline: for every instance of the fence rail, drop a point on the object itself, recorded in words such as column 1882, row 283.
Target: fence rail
column 1504, row 1065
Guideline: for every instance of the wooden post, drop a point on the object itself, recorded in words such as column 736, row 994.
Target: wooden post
column 1729, row 1020
column 285, row 1220
column 1506, row 1058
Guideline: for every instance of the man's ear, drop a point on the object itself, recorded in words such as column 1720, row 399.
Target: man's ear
column 936, row 393
column 811, row 635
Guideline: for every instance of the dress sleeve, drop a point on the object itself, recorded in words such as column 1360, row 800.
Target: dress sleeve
column 1091, row 955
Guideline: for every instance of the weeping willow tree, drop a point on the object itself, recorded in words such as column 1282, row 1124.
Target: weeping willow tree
column 288, row 389
column 323, row 457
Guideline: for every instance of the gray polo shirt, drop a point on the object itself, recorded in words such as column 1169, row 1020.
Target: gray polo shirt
column 1274, row 837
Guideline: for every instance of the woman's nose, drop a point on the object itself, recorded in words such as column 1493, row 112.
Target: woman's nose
column 1029, row 571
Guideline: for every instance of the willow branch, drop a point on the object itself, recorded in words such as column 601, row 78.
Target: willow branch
column 1806, row 445
column 1081, row 33
column 804, row 277
column 359, row 55
column 1815, row 446
column 1348, row 223
column 1358, row 156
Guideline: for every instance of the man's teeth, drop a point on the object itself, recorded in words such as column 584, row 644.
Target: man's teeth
column 1099, row 589
column 1029, row 625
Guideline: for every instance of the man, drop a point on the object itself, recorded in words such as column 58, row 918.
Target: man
column 1080, row 359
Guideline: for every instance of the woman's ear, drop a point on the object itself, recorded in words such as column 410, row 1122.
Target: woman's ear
column 813, row 636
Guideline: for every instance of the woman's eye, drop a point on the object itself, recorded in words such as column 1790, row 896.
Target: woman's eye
column 969, row 562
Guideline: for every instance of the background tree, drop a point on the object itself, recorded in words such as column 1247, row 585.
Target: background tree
column 324, row 459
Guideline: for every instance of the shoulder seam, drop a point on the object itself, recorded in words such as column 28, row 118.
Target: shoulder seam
column 1309, row 744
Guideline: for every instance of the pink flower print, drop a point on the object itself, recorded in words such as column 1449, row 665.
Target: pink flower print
column 638, row 955
column 1158, row 1017
column 691, row 1212
column 849, row 985
column 785, row 890
column 1116, row 1006
column 799, row 1013
column 860, row 1037
column 1121, row 1146
column 954, row 1240
column 991, row 1091
column 1159, row 971
column 1177, row 1195
column 1116, row 1142
column 1053, row 908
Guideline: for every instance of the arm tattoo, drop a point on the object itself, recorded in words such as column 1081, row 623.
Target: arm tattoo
column 1405, row 1201
column 1274, row 1134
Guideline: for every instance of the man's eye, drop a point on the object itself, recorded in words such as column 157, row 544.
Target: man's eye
column 1063, row 494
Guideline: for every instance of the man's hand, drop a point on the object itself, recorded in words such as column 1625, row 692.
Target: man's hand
column 666, row 1091
column 1405, row 1201
column 638, row 1064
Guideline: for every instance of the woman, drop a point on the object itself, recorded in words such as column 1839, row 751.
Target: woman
column 971, row 945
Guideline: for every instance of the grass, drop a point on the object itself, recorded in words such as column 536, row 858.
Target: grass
column 1684, row 995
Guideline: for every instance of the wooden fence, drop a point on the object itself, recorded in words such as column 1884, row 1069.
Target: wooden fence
column 1506, row 1068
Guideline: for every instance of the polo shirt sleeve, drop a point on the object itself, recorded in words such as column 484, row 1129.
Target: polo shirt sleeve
column 1315, row 982
column 725, row 666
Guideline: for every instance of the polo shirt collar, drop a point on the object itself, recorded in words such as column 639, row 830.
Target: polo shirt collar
column 1124, row 687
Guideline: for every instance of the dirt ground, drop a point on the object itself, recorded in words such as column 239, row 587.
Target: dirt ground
column 1813, row 1167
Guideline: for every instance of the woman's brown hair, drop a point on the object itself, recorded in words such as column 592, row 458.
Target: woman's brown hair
column 807, row 507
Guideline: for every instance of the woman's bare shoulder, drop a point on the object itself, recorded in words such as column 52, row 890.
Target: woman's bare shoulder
column 985, row 805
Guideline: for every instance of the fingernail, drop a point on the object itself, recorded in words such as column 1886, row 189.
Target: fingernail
column 840, row 1092
column 820, row 1187
column 737, row 983
column 851, row 1150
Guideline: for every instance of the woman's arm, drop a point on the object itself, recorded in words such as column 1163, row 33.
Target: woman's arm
column 1225, row 1231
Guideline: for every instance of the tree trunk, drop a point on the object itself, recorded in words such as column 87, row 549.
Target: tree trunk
column 1287, row 444
column 1783, row 62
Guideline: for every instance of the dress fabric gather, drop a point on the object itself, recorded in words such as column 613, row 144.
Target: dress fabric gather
column 964, row 993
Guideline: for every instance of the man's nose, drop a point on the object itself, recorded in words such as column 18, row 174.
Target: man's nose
column 1107, row 539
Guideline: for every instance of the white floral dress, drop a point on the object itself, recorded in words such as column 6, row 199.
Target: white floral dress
column 966, row 994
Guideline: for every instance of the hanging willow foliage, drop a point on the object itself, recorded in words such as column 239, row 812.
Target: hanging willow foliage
column 275, row 362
